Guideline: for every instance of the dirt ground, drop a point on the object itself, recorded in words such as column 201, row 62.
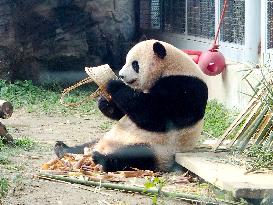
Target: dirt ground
column 27, row 189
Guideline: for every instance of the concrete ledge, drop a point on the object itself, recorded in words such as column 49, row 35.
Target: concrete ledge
column 213, row 168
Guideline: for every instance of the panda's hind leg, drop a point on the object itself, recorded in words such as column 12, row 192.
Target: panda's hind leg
column 139, row 156
column 61, row 148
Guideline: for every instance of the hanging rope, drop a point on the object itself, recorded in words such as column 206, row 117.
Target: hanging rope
column 211, row 62
column 215, row 46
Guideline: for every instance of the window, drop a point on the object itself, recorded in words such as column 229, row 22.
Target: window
column 269, row 24
column 145, row 14
column 201, row 18
column 174, row 16
column 155, row 14
column 195, row 18
column 233, row 28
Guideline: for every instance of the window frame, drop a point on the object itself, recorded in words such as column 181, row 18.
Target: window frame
column 236, row 52
column 267, row 53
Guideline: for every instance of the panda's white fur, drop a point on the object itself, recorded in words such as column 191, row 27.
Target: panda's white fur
column 151, row 69
column 176, row 62
column 125, row 132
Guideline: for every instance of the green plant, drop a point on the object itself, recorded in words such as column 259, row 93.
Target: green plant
column 218, row 118
column 45, row 99
column 154, row 182
column 24, row 143
column 259, row 157
column 4, row 160
column 104, row 126
column 1, row 144
column 4, row 187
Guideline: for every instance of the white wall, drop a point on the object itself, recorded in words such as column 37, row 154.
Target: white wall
column 230, row 88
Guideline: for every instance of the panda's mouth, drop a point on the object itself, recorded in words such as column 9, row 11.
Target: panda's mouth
column 131, row 81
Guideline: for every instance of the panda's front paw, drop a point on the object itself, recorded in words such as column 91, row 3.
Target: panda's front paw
column 60, row 149
column 109, row 109
column 114, row 85
column 105, row 106
column 99, row 158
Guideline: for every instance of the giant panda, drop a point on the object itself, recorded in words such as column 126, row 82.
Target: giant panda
column 159, row 103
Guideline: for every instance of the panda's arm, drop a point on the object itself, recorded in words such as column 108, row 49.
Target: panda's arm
column 140, row 107
column 174, row 101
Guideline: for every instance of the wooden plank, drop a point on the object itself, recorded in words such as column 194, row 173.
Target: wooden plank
column 215, row 169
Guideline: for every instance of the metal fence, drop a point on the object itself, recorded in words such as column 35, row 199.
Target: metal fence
column 233, row 28
column 194, row 18
column 174, row 16
column 201, row 18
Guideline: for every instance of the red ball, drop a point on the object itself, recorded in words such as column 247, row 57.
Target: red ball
column 212, row 62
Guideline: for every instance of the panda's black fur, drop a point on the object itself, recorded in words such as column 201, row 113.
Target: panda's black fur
column 174, row 102
column 152, row 111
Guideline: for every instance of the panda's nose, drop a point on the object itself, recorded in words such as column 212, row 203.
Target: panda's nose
column 121, row 76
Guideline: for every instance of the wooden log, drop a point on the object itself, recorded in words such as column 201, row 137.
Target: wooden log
column 4, row 135
column 6, row 109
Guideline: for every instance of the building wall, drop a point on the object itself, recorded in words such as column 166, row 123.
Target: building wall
column 230, row 87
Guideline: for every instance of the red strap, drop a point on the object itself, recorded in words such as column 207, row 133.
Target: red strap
column 215, row 46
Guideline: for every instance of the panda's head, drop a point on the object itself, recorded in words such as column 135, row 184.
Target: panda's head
column 150, row 60
column 144, row 64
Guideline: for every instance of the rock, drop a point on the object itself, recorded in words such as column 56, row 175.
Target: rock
column 63, row 35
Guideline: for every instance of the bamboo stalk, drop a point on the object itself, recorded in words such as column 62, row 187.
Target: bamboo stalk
column 235, row 123
column 252, row 116
column 250, row 132
column 264, row 129
column 183, row 196
column 269, row 140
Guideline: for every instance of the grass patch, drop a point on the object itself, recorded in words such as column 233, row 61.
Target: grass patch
column 24, row 143
column 7, row 151
column 105, row 126
column 2, row 145
column 45, row 99
column 218, row 118
column 4, row 160
column 259, row 158
column 4, row 187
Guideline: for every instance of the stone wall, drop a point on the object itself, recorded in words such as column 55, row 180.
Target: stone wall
column 53, row 36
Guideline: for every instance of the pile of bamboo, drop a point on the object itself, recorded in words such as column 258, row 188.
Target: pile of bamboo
column 253, row 126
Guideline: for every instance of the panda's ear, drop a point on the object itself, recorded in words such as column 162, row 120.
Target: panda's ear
column 159, row 50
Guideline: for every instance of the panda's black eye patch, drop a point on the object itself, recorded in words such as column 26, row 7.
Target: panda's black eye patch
column 135, row 66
